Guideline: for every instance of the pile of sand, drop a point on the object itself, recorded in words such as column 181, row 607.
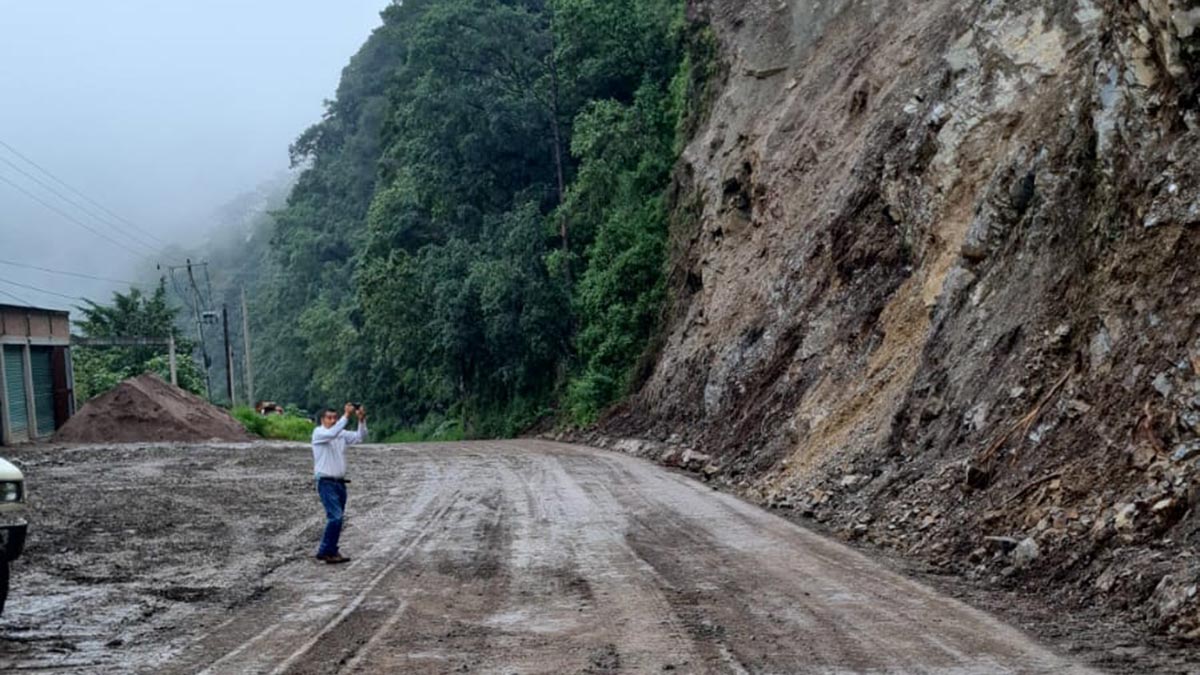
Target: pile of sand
column 147, row 409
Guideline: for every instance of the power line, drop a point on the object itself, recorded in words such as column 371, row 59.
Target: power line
column 208, row 281
column 42, row 290
column 90, row 214
column 15, row 297
column 80, row 194
column 179, row 290
column 73, row 219
column 70, row 274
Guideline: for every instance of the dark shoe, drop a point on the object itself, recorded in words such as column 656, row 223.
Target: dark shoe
column 335, row 559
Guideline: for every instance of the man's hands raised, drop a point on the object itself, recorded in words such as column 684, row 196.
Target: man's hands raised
column 349, row 410
column 362, row 413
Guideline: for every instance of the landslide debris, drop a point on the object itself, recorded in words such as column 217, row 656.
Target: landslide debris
column 936, row 288
column 145, row 409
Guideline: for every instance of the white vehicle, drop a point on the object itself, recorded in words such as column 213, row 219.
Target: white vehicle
column 12, row 526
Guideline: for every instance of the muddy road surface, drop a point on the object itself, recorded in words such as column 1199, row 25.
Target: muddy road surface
column 490, row 557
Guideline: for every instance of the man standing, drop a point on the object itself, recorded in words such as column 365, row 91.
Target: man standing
column 329, row 441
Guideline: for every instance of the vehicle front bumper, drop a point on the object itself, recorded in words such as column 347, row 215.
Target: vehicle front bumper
column 12, row 539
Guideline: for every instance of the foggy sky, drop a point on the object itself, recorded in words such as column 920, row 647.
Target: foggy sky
column 159, row 110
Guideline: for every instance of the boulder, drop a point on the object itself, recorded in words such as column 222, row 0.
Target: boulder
column 1025, row 553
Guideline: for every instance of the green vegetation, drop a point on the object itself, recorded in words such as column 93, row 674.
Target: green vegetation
column 434, row 428
column 478, row 238
column 133, row 314
column 287, row 427
column 239, row 258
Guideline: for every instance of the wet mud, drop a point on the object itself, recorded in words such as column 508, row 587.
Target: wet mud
column 490, row 557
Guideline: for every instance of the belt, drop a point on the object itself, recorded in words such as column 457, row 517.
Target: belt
column 343, row 481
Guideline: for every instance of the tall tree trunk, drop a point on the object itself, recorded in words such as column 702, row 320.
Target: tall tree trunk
column 556, row 132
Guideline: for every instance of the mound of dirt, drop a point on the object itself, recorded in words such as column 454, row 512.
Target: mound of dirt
column 147, row 409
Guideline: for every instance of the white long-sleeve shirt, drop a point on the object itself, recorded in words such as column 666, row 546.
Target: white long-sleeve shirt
column 329, row 447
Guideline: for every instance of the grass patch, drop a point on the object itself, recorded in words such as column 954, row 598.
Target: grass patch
column 274, row 427
column 435, row 428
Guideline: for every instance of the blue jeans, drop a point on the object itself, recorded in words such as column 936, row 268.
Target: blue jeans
column 333, row 498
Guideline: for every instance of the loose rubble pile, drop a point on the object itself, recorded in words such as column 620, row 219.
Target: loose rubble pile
column 1117, row 528
column 146, row 409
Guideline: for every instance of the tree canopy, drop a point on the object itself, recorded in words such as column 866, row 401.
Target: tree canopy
column 480, row 227
column 132, row 314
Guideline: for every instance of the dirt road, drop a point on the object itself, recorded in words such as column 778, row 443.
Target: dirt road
column 502, row 557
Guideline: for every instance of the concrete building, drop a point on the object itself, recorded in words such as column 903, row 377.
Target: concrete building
column 36, row 381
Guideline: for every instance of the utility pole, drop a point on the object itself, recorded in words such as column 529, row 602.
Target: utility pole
column 248, row 376
column 171, row 359
column 228, row 355
column 196, row 302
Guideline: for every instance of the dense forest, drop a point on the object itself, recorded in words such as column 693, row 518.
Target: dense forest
column 477, row 236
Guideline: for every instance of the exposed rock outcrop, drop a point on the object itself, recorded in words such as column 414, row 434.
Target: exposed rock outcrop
column 951, row 250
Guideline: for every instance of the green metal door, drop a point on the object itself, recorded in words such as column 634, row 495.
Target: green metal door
column 43, row 389
column 14, row 374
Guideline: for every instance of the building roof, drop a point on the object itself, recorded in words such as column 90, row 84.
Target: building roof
column 27, row 308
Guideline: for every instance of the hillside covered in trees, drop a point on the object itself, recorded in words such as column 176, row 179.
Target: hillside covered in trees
column 479, row 232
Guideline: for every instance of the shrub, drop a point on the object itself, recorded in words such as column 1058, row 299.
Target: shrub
column 274, row 427
column 435, row 428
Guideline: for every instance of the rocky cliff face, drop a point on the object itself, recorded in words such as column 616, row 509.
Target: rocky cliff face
column 935, row 280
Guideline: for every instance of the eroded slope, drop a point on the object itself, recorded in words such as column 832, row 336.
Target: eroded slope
column 934, row 281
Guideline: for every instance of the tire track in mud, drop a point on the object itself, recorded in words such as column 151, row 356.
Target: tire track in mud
column 448, row 592
column 687, row 614
column 348, row 645
column 271, row 649
column 549, row 587
column 724, row 611
column 376, row 638
column 565, row 571
column 536, row 557
column 642, row 596
column 355, row 619
column 840, row 602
